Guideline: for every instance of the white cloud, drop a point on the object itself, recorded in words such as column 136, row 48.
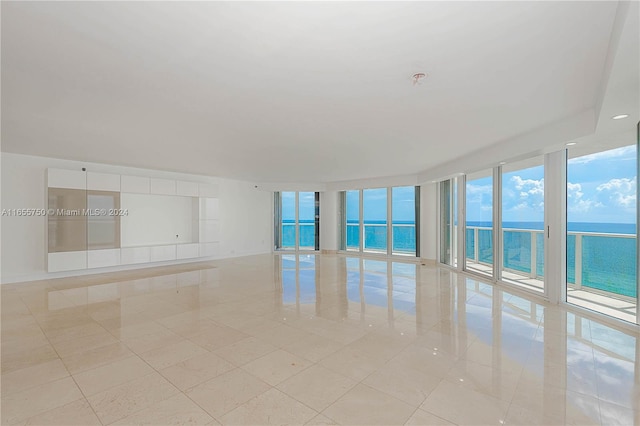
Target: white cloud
column 521, row 206
column 626, row 152
column 478, row 189
column 575, row 202
column 574, row 189
column 623, row 184
column 528, row 186
column 619, row 192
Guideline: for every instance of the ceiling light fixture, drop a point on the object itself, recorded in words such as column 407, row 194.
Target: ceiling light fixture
column 502, row 163
column 619, row 117
column 571, row 143
column 418, row 78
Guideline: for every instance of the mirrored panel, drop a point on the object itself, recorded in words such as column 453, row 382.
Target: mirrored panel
column 67, row 227
column 103, row 221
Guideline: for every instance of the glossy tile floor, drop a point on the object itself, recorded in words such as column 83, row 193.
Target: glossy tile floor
column 306, row 340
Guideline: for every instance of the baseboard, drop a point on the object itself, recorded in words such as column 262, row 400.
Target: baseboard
column 120, row 268
column 324, row 251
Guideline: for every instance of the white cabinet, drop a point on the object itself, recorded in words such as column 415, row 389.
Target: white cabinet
column 209, row 208
column 131, row 255
column 187, row 189
column 103, row 182
column 187, row 251
column 208, row 190
column 69, row 179
column 67, row 261
column 163, row 186
column 134, row 184
column 103, row 258
column 196, row 220
column 163, row 253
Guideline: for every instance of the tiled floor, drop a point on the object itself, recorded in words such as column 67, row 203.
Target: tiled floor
column 306, row 340
column 608, row 303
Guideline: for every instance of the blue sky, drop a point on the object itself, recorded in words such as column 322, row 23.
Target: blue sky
column 306, row 205
column 375, row 204
column 601, row 189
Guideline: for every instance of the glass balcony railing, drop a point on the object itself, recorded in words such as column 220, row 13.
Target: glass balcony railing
column 600, row 261
column 375, row 237
column 307, row 235
column 353, row 236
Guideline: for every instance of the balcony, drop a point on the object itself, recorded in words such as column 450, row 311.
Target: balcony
column 375, row 237
column 601, row 268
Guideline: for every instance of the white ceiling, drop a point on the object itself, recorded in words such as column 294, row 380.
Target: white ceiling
column 292, row 92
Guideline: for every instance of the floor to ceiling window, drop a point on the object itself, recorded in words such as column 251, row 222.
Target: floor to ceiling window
column 448, row 222
column 479, row 222
column 517, row 242
column 602, row 231
column 297, row 220
column 375, row 219
column 352, row 215
column 403, row 219
column 306, row 220
column 381, row 220
column 288, row 220
column 523, row 223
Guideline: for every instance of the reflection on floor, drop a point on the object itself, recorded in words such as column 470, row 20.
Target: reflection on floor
column 306, row 340
column 607, row 303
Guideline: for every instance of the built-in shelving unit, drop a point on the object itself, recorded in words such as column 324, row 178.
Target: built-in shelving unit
column 142, row 217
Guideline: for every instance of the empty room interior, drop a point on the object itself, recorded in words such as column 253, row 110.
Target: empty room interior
column 320, row 213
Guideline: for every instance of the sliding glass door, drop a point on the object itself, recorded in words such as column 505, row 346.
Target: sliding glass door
column 448, row 222
column 479, row 222
column 381, row 220
column 297, row 219
column 403, row 220
column 523, row 223
column 517, row 242
column 352, row 218
column 375, row 219
column 306, row 221
column 602, row 231
column 288, row 223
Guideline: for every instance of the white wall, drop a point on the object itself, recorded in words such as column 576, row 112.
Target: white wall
column 428, row 221
column 329, row 222
column 246, row 219
column 245, row 213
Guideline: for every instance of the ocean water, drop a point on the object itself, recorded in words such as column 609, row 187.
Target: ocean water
column 375, row 235
column 608, row 262
column 307, row 234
